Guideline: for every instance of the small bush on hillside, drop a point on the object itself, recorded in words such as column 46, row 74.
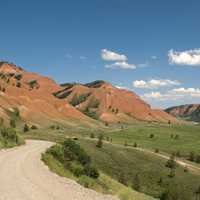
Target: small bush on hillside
column 100, row 141
column 18, row 77
column 91, row 171
column 135, row 145
column 91, row 113
column 171, row 163
column 197, row 159
column 18, row 84
column 12, row 123
column 26, row 128
column 151, row 135
column 191, row 156
column 77, row 169
column 176, row 137
column 74, row 158
column 156, row 150
column 92, row 135
column 34, row 127
column 78, row 152
column 33, row 84
column 57, row 152
column 172, row 173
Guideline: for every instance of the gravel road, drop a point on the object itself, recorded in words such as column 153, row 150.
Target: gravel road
column 23, row 176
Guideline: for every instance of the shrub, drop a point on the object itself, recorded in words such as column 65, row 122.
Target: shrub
column 172, row 173
column 57, row 152
column 191, row 156
column 100, row 142
column 198, row 159
column 92, row 135
column 135, row 145
column 26, row 128
column 156, row 150
column 151, row 135
column 18, row 77
column 78, row 152
column 34, row 127
column 18, row 84
column 91, row 171
column 171, row 163
column 12, row 123
column 77, row 169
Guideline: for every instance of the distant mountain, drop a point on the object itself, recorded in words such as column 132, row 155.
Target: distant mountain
column 101, row 100
column 189, row 112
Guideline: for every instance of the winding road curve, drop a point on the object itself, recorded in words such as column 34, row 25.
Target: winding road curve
column 23, row 176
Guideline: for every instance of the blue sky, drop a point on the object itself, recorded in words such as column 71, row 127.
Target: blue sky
column 121, row 41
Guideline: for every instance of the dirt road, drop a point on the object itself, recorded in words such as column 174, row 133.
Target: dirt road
column 23, row 176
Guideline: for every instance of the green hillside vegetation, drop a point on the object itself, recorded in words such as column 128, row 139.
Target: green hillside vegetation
column 68, row 159
column 119, row 159
column 144, row 172
column 9, row 138
column 167, row 138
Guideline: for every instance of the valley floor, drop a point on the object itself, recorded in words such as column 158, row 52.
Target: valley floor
column 23, row 176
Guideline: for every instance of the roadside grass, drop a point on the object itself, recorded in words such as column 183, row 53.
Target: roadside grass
column 9, row 138
column 104, row 184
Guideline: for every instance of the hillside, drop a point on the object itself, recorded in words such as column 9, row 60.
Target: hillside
column 30, row 96
column 39, row 100
column 103, row 101
column 189, row 112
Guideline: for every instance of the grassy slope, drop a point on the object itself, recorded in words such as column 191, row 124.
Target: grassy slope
column 104, row 184
column 9, row 138
column 189, row 137
column 113, row 159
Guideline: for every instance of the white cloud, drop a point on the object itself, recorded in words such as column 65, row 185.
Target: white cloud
column 175, row 94
column 83, row 57
column 154, row 57
column 112, row 56
column 122, row 65
column 155, row 83
column 122, row 87
column 190, row 57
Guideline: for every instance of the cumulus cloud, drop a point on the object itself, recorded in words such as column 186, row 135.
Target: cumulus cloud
column 112, row 56
column 189, row 57
column 175, row 94
column 155, row 83
column 122, row 65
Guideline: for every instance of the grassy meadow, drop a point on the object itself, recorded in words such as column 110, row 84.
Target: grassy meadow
column 120, row 163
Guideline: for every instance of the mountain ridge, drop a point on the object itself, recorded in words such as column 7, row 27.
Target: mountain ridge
column 190, row 112
column 40, row 100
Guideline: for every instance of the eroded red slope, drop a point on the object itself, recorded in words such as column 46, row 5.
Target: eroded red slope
column 110, row 103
